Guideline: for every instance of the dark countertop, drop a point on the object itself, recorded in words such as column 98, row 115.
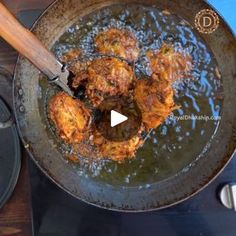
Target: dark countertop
column 59, row 214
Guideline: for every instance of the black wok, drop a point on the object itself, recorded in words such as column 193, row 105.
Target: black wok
column 33, row 126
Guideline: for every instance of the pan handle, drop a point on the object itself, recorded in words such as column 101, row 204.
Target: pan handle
column 7, row 124
column 6, row 116
column 10, row 121
column 28, row 45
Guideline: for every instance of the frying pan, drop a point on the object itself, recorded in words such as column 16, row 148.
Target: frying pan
column 48, row 29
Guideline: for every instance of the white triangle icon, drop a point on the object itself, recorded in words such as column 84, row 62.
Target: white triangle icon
column 117, row 118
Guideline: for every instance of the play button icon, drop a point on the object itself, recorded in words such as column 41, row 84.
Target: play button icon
column 117, row 118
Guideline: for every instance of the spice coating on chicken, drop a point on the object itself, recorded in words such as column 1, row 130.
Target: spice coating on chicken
column 117, row 151
column 155, row 100
column 106, row 77
column 78, row 66
column 72, row 55
column 169, row 64
column 70, row 116
column 118, row 42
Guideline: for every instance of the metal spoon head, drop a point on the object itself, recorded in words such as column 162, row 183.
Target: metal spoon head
column 62, row 81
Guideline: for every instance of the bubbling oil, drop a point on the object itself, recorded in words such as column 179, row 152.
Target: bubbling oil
column 175, row 145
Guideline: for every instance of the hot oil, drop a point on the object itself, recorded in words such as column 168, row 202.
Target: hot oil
column 174, row 146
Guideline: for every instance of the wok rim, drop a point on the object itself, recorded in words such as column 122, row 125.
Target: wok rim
column 44, row 171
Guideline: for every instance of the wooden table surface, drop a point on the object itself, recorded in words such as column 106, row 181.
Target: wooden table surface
column 16, row 215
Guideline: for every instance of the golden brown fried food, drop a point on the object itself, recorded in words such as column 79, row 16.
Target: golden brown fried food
column 117, row 151
column 72, row 55
column 168, row 64
column 76, row 65
column 109, row 76
column 155, row 100
column 70, row 116
column 118, row 42
column 106, row 77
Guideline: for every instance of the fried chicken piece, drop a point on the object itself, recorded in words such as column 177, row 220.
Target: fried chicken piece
column 70, row 116
column 155, row 97
column 72, row 55
column 73, row 59
column 155, row 100
column 169, row 64
column 117, row 151
column 118, row 42
column 106, row 77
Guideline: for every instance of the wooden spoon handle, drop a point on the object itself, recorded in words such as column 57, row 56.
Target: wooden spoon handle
column 27, row 44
